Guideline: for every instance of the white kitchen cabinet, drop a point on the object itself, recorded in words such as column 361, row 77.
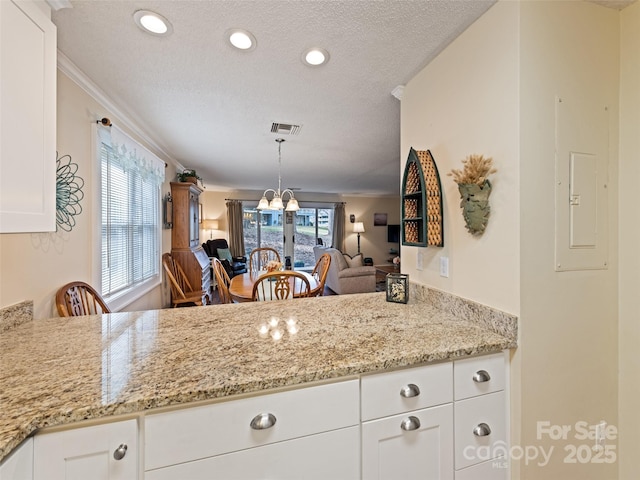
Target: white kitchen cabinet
column 100, row 452
column 417, row 422
column 330, row 455
column 407, row 429
column 19, row 464
column 27, row 118
column 481, row 418
column 413, row 445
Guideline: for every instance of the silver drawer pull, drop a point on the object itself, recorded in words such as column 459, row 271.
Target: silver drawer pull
column 482, row 430
column 409, row 391
column 481, row 376
column 410, row 423
column 120, row 452
column 263, row 421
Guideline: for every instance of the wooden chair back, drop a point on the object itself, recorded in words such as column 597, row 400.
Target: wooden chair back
column 181, row 290
column 280, row 285
column 320, row 274
column 79, row 298
column 260, row 257
column 223, row 281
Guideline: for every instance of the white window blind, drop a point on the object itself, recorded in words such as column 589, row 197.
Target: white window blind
column 130, row 210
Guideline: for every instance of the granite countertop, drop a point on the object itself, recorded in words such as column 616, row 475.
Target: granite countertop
column 63, row 370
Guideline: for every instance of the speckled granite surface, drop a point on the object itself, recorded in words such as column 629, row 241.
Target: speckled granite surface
column 63, row 370
column 15, row 315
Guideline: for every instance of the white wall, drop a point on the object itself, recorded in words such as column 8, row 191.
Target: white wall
column 34, row 266
column 492, row 92
column 466, row 102
column 568, row 319
column 629, row 333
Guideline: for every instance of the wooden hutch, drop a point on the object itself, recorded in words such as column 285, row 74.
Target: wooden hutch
column 185, row 237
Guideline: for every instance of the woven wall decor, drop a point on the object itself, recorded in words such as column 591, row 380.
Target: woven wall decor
column 422, row 201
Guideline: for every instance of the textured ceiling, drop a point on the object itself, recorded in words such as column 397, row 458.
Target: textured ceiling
column 211, row 107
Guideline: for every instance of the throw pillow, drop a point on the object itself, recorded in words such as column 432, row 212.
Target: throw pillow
column 225, row 254
column 355, row 261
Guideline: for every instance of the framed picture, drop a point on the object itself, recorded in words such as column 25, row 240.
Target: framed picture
column 379, row 219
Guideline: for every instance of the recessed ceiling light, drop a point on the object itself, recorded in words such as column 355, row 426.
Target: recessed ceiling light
column 314, row 57
column 241, row 39
column 152, row 23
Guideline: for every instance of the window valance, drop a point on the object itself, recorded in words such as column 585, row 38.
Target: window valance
column 131, row 156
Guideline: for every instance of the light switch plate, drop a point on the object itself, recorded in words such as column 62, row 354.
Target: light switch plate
column 444, row 267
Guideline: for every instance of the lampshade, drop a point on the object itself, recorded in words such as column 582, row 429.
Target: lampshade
column 209, row 224
column 358, row 227
column 264, row 203
column 276, row 203
column 292, row 205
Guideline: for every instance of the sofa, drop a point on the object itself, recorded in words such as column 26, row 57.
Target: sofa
column 233, row 265
column 342, row 278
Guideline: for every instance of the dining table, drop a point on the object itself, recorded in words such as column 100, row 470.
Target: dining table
column 241, row 286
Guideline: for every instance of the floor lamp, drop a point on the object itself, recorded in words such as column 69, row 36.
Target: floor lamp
column 358, row 228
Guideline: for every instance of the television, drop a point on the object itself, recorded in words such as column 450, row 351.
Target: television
column 393, row 233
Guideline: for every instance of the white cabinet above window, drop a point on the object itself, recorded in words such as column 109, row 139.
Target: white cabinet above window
column 27, row 118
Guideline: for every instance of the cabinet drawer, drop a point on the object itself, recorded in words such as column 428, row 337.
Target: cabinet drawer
column 382, row 393
column 199, row 432
column 472, row 448
column 330, row 455
column 495, row 469
column 479, row 375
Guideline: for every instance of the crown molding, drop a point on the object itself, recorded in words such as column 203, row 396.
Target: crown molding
column 125, row 117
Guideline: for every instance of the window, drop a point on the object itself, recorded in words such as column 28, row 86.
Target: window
column 265, row 229
column 130, row 179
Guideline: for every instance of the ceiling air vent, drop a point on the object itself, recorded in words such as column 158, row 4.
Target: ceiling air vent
column 285, row 129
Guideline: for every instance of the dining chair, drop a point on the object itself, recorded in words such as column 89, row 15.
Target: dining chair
column 280, row 285
column 222, row 280
column 79, row 298
column 320, row 274
column 260, row 257
column 181, row 291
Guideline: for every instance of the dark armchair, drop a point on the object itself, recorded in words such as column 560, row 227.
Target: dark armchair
column 219, row 248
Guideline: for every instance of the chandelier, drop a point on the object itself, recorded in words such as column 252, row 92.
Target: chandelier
column 276, row 201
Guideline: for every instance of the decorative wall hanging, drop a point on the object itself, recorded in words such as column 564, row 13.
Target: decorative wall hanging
column 475, row 188
column 421, row 201
column 167, row 207
column 68, row 192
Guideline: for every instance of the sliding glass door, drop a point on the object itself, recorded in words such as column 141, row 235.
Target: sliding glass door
column 292, row 234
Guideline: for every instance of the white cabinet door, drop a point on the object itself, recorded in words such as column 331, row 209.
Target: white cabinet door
column 333, row 455
column 19, row 464
column 27, row 118
column 88, row 453
column 391, row 452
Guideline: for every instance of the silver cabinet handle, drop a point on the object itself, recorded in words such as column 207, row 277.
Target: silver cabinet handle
column 482, row 430
column 120, row 452
column 481, row 376
column 263, row 421
column 409, row 391
column 410, row 423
